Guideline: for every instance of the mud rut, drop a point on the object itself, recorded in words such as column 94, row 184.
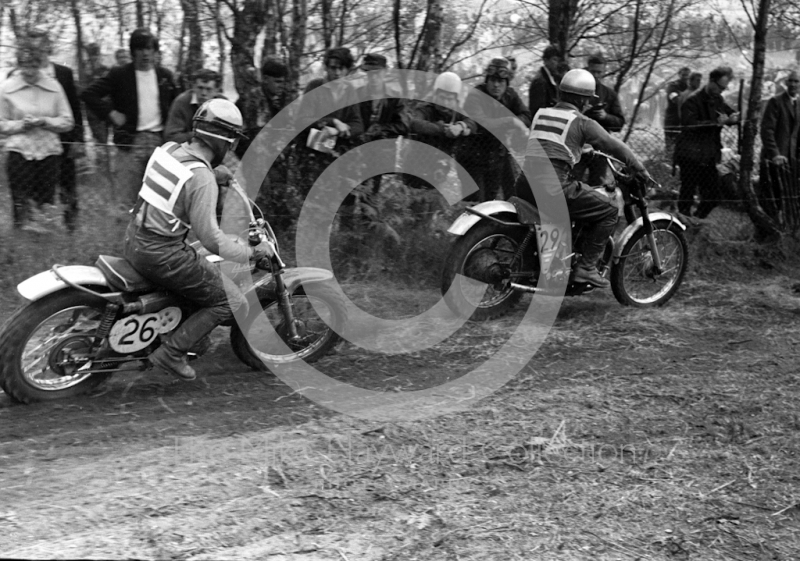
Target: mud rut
column 151, row 467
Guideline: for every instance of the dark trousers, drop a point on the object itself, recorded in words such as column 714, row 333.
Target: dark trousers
column 174, row 265
column 495, row 178
column 31, row 181
column 594, row 211
column 69, row 186
column 701, row 178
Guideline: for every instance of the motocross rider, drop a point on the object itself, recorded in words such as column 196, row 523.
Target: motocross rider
column 561, row 132
column 155, row 241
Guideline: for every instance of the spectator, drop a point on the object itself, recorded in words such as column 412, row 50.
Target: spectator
column 275, row 195
column 344, row 123
column 94, row 72
column 779, row 129
column 695, row 81
column 544, row 86
column 672, row 120
column 206, row 85
column 72, row 139
column 273, row 86
column 383, row 117
column 484, row 155
column 141, row 94
column 438, row 123
column 33, row 111
column 122, row 57
column 699, row 147
column 606, row 110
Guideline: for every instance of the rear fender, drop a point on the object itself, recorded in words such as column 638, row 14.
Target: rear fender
column 628, row 232
column 39, row 286
column 293, row 279
column 466, row 221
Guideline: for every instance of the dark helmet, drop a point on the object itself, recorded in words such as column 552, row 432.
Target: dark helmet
column 218, row 123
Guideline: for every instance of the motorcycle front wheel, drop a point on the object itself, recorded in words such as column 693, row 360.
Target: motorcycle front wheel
column 46, row 348
column 484, row 254
column 317, row 318
column 634, row 280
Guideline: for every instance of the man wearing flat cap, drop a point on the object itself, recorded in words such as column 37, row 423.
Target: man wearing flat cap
column 383, row 117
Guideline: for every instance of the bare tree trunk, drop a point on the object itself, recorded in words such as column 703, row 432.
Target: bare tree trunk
column 194, row 54
column 431, row 38
column 247, row 24
column 398, row 46
column 326, row 6
column 139, row 14
column 765, row 226
column 121, row 22
column 298, row 40
column 342, row 22
column 271, row 26
column 76, row 15
column 181, row 55
column 562, row 13
column 220, row 40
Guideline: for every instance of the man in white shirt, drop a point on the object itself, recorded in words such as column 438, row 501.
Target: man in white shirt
column 141, row 93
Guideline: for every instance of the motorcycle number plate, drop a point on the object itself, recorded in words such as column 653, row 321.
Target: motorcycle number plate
column 550, row 236
column 134, row 333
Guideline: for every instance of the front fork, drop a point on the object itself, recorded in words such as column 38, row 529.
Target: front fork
column 650, row 233
column 284, row 300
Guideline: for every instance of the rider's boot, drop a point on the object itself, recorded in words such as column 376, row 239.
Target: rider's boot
column 591, row 276
column 171, row 355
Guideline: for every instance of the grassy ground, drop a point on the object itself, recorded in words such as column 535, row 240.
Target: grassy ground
column 664, row 434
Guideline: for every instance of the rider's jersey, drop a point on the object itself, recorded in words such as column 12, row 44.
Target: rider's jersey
column 562, row 131
column 175, row 203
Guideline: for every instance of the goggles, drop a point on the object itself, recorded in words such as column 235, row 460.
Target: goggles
column 498, row 72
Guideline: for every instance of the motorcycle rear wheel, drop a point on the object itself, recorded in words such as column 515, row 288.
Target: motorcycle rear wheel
column 318, row 330
column 44, row 346
column 483, row 254
column 633, row 280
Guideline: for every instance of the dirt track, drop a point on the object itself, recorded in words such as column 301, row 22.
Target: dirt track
column 666, row 434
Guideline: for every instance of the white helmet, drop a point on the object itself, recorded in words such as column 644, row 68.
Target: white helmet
column 219, row 124
column 448, row 82
column 578, row 82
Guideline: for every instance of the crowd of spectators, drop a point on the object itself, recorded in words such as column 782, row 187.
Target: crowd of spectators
column 137, row 100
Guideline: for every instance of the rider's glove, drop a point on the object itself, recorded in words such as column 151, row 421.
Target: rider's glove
column 222, row 175
column 644, row 176
column 262, row 250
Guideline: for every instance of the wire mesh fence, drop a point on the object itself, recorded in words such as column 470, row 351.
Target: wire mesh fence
column 102, row 191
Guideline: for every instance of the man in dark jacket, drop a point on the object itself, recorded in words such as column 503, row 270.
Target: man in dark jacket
column 606, row 110
column 699, row 147
column 141, row 94
column 206, row 85
column 672, row 120
column 779, row 129
column 343, row 126
column 483, row 156
column 544, row 86
column 383, row 118
column 70, row 141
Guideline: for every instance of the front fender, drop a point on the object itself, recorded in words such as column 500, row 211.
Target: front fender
column 47, row 282
column 466, row 221
column 292, row 278
column 628, row 232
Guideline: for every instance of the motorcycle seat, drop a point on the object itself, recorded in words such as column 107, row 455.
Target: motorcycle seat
column 121, row 275
column 527, row 213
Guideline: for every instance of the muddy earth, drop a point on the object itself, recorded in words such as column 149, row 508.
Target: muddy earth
column 632, row 434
